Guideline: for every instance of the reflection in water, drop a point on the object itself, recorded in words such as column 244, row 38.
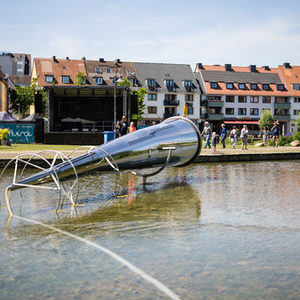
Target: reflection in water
column 206, row 231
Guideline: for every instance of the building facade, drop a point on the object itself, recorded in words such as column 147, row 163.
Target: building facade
column 16, row 64
column 238, row 95
column 3, row 92
column 169, row 86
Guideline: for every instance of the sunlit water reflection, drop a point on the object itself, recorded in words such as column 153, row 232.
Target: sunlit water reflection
column 220, row 231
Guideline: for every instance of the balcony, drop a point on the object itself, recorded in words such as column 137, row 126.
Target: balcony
column 215, row 103
column 171, row 102
column 215, row 117
column 189, row 89
column 169, row 115
column 286, row 117
column 282, row 105
column 152, row 88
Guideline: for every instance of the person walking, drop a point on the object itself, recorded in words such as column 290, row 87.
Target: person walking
column 234, row 136
column 223, row 135
column 276, row 133
column 214, row 142
column 244, row 137
column 207, row 134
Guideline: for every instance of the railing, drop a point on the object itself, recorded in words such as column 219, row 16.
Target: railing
column 171, row 102
column 169, row 115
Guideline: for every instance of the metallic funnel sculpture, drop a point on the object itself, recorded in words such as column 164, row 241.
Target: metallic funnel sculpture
column 174, row 142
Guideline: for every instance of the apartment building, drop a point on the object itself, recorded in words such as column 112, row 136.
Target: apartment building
column 169, row 86
column 16, row 64
column 238, row 95
column 291, row 75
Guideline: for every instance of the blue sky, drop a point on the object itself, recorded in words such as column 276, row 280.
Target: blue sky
column 265, row 32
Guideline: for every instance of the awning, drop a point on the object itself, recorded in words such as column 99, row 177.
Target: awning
column 241, row 122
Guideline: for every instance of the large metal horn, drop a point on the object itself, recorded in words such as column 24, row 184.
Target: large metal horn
column 176, row 141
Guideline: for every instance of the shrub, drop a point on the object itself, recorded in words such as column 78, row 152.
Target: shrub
column 296, row 136
column 285, row 140
column 4, row 134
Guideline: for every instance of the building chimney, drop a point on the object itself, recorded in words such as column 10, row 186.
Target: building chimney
column 101, row 59
column 252, row 68
column 83, row 58
column 267, row 68
column 200, row 66
column 287, row 65
column 228, row 67
column 67, row 58
column 117, row 60
column 54, row 60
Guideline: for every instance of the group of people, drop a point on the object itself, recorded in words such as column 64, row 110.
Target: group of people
column 235, row 135
column 123, row 128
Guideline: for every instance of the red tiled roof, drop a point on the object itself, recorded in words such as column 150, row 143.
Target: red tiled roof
column 291, row 75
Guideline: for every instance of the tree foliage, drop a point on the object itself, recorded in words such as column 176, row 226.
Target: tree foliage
column 298, row 122
column 80, row 79
column 22, row 97
column 125, row 82
column 266, row 119
column 141, row 92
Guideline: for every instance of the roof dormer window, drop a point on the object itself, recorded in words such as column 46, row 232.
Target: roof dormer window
column 280, row 87
column 65, row 79
column 242, row 86
column 98, row 70
column 151, row 82
column 98, row 80
column 265, row 86
column 253, row 86
column 170, row 84
column 229, row 85
column 188, row 83
column 108, row 70
column 213, row 85
column 49, row 78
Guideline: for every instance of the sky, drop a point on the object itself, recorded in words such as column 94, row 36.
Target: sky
column 237, row 32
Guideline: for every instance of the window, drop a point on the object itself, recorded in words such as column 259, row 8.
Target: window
column 296, row 86
column 152, row 96
column 108, row 70
column 254, row 111
column 296, row 112
column 242, row 86
column 229, row 99
column 242, row 99
column 133, row 81
column 281, row 111
column 280, row 87
column 297, row 100
column 98, row 80
column 98, row 70
column 170, row 84
column 170, row 96
column 189, row 97
column 281, row 100
column 229, row 111
column 188, row 83
column 229, row 85
column 151, row 82
column 213, row 85
column 152, row 109
column 266, row 99
column 214, row 98
column 242, row 111
column 265, row 86
column 49, row 78
column 254, row 99
column 253, row 86
column 65, row 79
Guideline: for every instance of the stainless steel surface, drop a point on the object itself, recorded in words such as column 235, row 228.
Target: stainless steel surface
column 141, row 149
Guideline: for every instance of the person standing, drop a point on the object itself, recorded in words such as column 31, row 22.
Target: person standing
column 122, row 126
column 214, row 142
column 223, row 135
column 207, row 134
column 276, row 133
column 131, row 127
column 244, row 137
column 265, row 136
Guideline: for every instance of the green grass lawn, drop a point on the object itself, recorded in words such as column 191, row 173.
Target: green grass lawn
column 37, row 147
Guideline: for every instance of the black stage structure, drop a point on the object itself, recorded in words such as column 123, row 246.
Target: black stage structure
column 78, row 115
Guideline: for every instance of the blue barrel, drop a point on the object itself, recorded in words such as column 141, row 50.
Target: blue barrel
column 108, row 136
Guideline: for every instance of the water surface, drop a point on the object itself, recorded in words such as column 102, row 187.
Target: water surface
column 207, row 231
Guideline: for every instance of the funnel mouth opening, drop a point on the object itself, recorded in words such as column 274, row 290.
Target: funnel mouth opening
column 197, row 152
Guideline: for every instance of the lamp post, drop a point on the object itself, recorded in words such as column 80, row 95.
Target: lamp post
column 115, row 102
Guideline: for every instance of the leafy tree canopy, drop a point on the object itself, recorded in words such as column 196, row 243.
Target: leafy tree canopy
column 266, row 119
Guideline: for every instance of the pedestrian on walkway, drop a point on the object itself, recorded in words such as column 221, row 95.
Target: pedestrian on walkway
column 234, row 137
column 265, row 136
column 207, row 134
column 214, row 142
column 223, row 135
column 276, row 133
column 244, row 137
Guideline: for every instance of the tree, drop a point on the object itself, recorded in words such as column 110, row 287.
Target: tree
column 80, row 79
column 141, row 92
column 124, row 82
column 22, row 97
column 266, row 119
column 298, row 122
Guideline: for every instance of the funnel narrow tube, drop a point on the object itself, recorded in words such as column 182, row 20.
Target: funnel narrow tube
column 143, row 148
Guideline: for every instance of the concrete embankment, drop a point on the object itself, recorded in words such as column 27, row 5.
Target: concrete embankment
column 206, row 156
